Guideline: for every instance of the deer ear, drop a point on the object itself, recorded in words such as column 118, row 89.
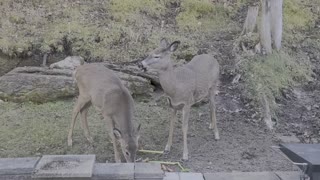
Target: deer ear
column 117, row 133
column 173, row 46
column 163, row 43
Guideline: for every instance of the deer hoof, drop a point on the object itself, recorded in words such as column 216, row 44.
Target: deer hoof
column 185, row 158
column 216, row 136
column 90, row 139
column 167, row 149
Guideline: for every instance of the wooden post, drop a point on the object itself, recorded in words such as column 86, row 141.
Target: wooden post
column 265, row 28
column 251, row 20
column 276, row 23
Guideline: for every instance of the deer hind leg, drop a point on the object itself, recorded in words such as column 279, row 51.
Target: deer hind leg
column 185, row 114
column 81, row 102
column 172, row 122
column 213, row 124
column 84, row 122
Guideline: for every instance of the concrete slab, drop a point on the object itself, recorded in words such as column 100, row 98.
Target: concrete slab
column 15, row 177
column 114, row 171
column 17, row 166
column 288, row 175
column 171, row 176
column 241, row 176
column 143, row 171
column 64, row 167
column 191, row 176
column 304, row 153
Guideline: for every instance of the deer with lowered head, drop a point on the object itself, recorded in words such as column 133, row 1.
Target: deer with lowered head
column 184, row 85
column 100, row 87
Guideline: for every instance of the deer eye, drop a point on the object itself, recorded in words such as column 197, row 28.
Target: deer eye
column 127, row 153
column 157, row 57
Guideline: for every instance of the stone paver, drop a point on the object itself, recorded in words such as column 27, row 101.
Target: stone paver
column 288, row 175
column 241, row 176
column 114, row 171
column 171, row 176
column 64, row 166
column 16, row 166
column 191, row 176
column 143, row 171
column 15, row 177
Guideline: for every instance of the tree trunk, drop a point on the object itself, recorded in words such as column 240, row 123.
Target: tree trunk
column 276, row 23
column 265, row 28
column 251, row 20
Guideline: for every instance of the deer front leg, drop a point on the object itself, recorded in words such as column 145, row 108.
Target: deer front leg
column 185, row 114
column 213, row 124
column 115, row 148
column 84, row 122
column 113, row 139
column 81, row 102
column 172, row 122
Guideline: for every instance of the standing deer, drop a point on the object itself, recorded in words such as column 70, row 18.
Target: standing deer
column 184, row 85
column 100, row 87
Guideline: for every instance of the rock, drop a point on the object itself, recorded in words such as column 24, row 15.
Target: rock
column 36, row 84
column 150, row 171
column 70, row 62
column 191, row 176
column 17, row 166
column 288, row 175
column 289, row 139
column 241, row 176
column 308, row 107
column 64, row 167
column 39, row 84
column 115, row 171
column 136, row 85
column 136, row 71
column 171, row 176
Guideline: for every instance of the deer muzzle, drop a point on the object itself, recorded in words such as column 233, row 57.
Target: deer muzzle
column 142, row 66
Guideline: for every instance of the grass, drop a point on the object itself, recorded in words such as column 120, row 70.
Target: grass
column 270, row 74
column 201, row 15
column 296, row 15
column 29, row 129
column 103, row 30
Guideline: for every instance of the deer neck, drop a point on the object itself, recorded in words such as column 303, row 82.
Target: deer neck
column 168, row 80
column 125, row 120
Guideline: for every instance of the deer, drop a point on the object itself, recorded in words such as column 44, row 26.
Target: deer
column 102, row 88
column 184, row 85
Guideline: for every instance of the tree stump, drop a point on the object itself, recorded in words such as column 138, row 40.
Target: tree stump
column 265, row 27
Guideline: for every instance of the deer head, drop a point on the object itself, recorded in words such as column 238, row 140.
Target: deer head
column 128, row 143
column 159, row 59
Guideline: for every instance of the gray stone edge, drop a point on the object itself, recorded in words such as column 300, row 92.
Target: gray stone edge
column 68, row 176
column 99, row 173
column 154, row 172
column 18, row 170
column 27, row 172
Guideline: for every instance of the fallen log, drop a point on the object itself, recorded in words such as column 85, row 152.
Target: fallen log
column 40, row 84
